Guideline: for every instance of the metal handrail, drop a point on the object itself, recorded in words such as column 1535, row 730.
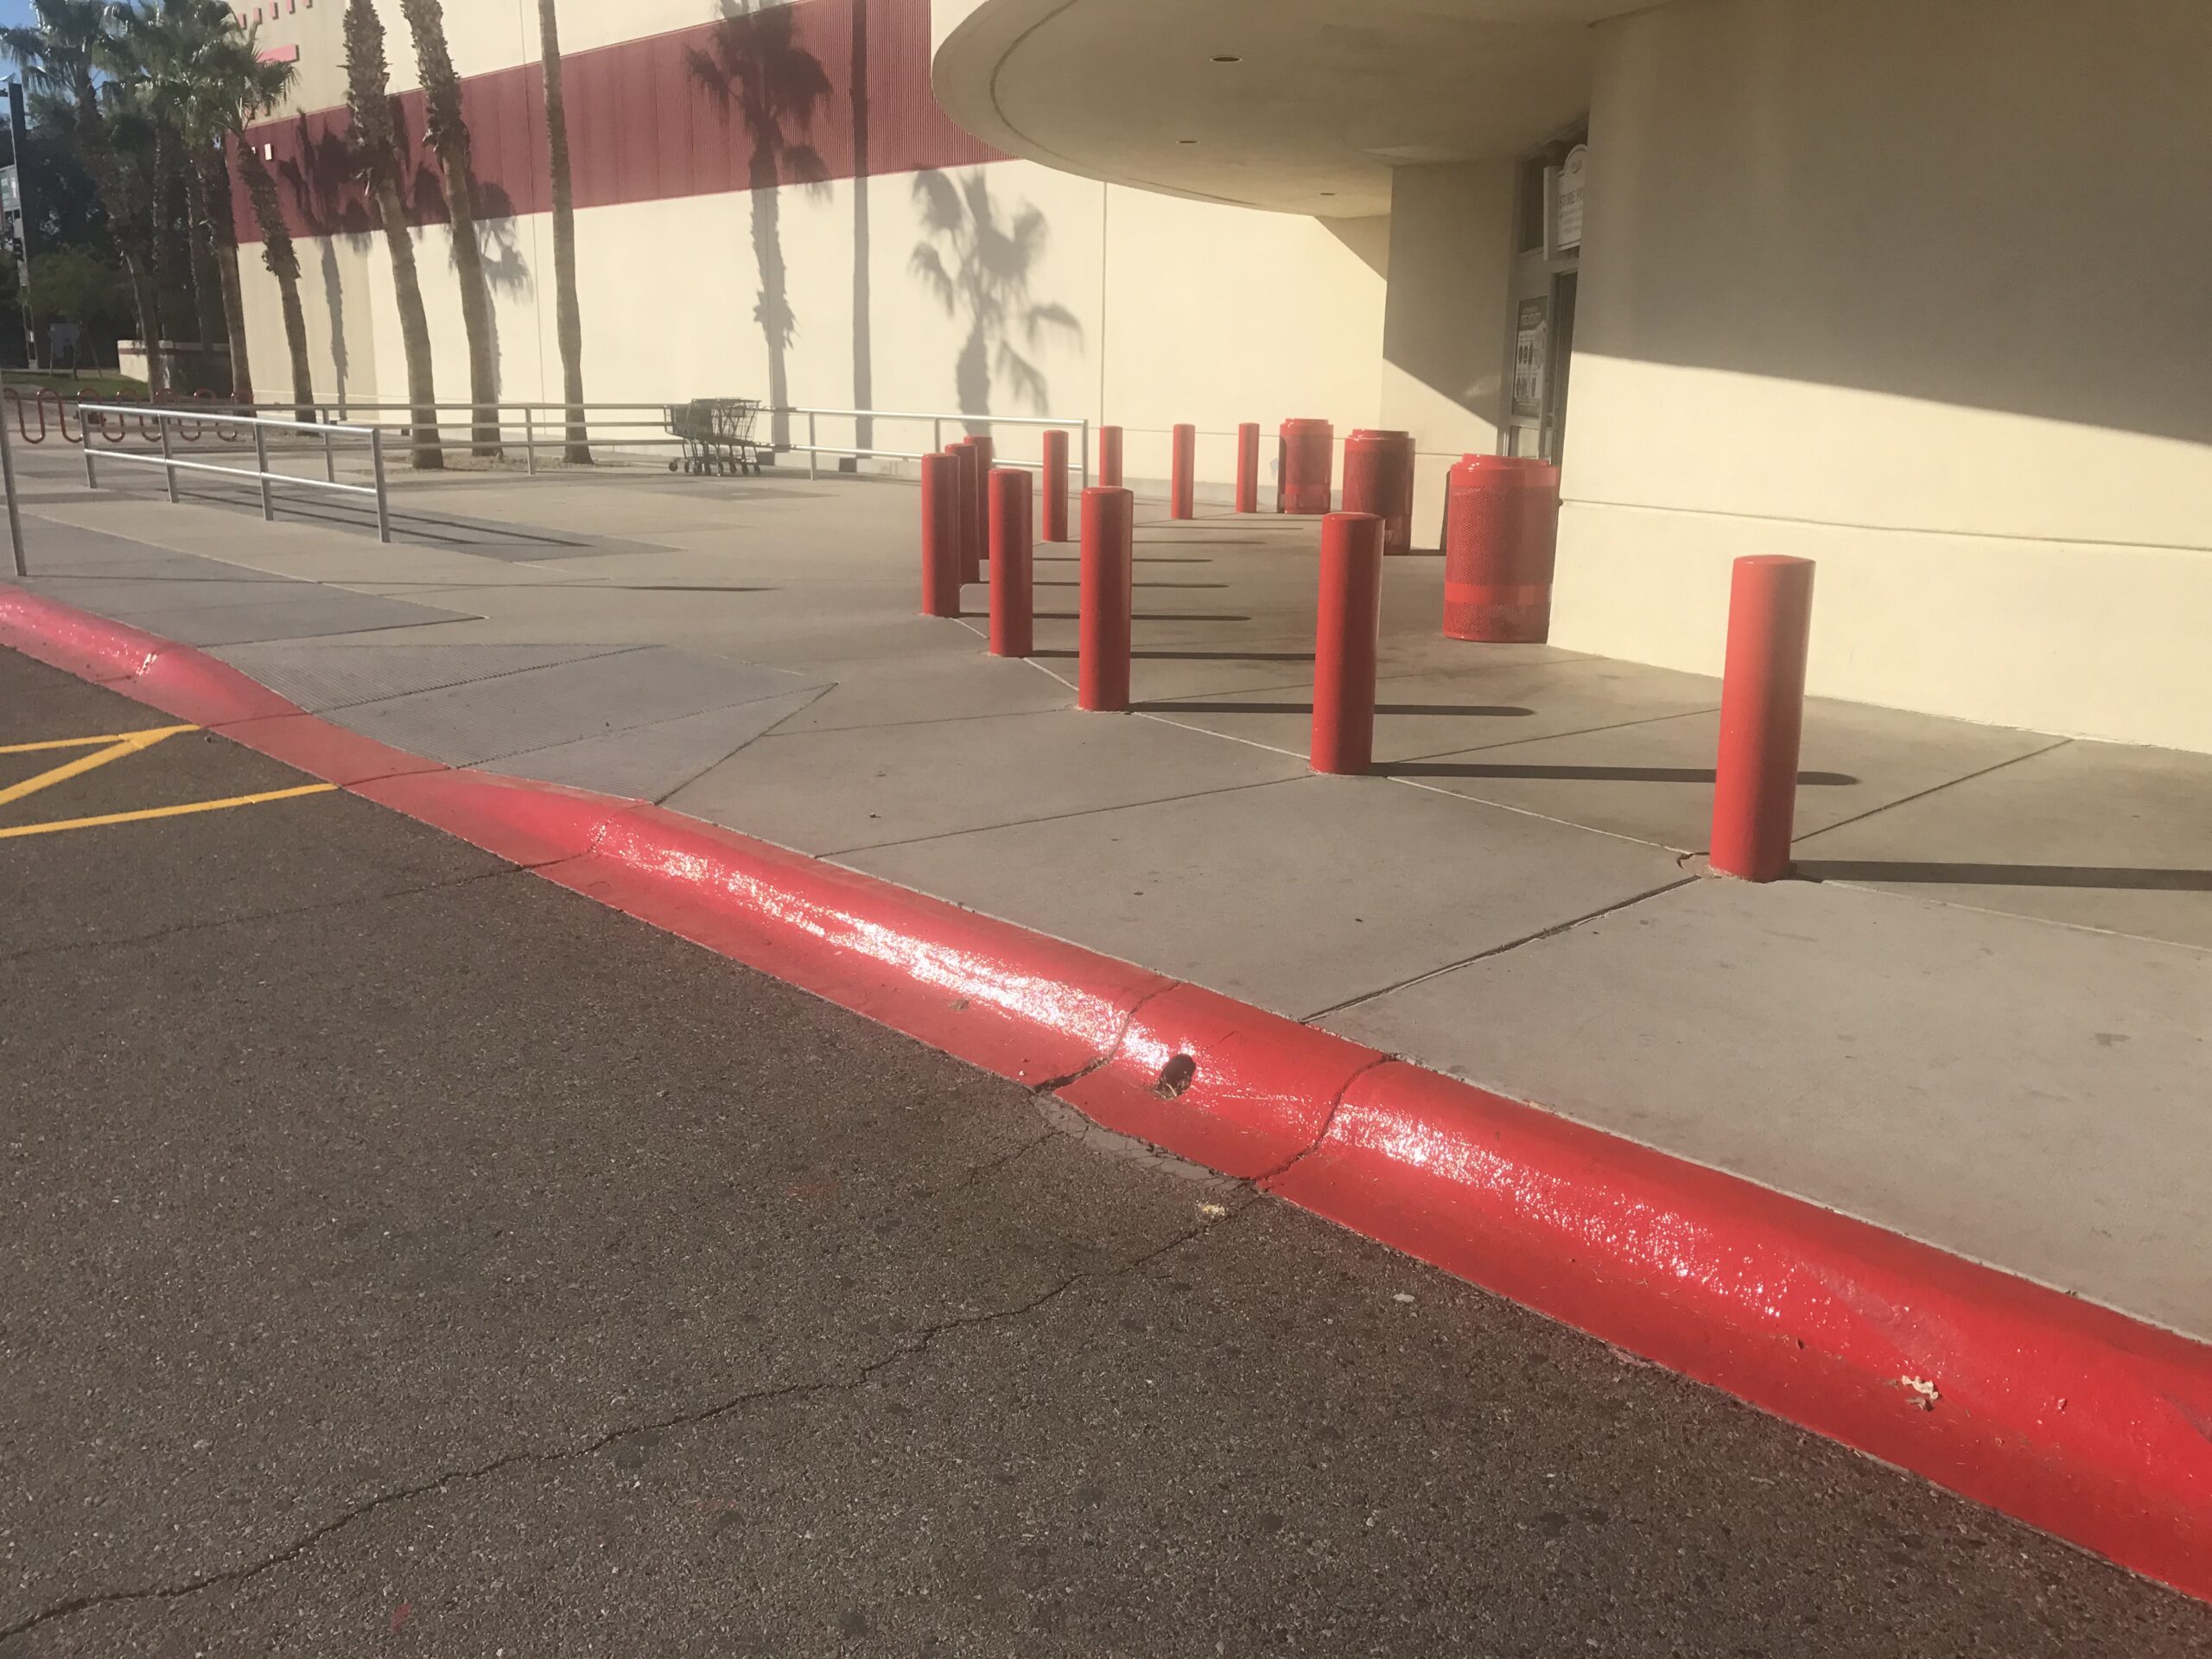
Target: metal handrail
column 531, row 433
column 261, row 426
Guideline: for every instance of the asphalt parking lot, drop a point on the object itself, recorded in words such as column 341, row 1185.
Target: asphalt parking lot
column 409, row 1256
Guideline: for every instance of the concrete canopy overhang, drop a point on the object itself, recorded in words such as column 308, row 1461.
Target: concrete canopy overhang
column 1297, row 105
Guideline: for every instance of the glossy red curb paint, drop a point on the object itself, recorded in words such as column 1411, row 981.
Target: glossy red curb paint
column 1762, row 716
column 176, row 679
column 1220, row 1082
column 2079, row 1419
column 331, row 753
column 2083, row 1422
column 1023, row 1005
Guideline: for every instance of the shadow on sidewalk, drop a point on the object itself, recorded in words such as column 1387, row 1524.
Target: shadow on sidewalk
column 2005, row 876
column 1200, row 707
column 1586, row 775
column 1198, row 656
column 1152, row 616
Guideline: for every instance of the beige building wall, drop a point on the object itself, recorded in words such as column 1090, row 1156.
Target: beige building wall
column 1916, row 291
column 1444, row 332
column 1136, row 308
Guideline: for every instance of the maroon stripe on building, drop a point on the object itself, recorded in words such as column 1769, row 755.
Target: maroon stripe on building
column 740, row 104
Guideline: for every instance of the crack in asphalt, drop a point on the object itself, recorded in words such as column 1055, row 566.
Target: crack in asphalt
column 910, row 1347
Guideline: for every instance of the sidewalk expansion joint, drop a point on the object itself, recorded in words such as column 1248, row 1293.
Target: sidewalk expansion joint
column 1537, row 937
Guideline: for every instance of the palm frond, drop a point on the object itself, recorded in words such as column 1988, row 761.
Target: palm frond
column 930, row 269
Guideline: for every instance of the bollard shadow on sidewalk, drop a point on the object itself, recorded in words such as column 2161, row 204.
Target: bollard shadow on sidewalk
column 1203, row 707
column 1152, row 616
column 2005, row 875
column 1586, row 775
column 1198, row 656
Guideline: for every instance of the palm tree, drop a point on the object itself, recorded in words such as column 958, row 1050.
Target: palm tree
column 448, row 133
column 376, row 141
column 205, row 78
column 989, row 278
column 754, row 67
column 60, row 52
column 568, row 308
column 160, row 47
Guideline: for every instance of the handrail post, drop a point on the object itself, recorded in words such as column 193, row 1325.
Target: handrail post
column 168, row 455
column 1085, row 446
column 813, row 449
column 530, row 437
column 329, row 455
column 936, row 434
column 8, row 479
column 384, row 504
column 261, row 462
column 91, row 482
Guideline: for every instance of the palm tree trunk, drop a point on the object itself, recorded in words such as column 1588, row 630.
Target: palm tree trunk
column 226, row 266
column 414, row 325
column 206, row 284
column 569, row 308
column 279, row 253
column 130, row 227
column 475, row 311
column 223, row 236
column 773, row 309
column 863, row 323
column 446, row 129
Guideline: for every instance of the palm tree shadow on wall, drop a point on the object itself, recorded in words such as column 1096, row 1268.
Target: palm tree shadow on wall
column 506, row 271
column 981, row 267
column 323, row 174
column 754, row 69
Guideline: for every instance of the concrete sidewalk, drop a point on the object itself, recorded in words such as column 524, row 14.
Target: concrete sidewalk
column 1983, row 1023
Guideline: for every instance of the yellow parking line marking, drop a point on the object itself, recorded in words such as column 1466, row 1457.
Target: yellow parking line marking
column 87, row 742
column 164, row 811
column 132, row 744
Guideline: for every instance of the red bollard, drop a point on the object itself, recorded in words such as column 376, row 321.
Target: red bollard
column 1762, row 716
column 1107, row 569
column 962, row 450
column 1012, row 604
column 1110, row 457
column 1308, row 465
column 1248, row 466
column 941, row 498
column 1182, row 482
column 1379, row 479
column 1055, row 486
column 1349, row 622
column 986, row 458
column 1501, row 542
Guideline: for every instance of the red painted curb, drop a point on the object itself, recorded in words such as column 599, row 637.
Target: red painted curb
column 2093, row 1426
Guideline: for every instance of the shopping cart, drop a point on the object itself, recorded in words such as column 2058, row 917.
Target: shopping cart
column 718, row 436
